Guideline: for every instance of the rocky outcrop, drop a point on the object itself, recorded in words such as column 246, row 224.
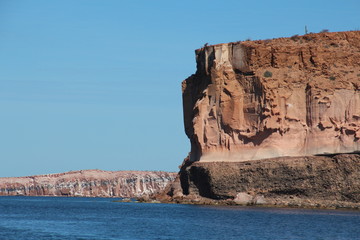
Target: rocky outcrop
column 297, row 96
column 311, row 181
column 88, row 183
column 257, row 113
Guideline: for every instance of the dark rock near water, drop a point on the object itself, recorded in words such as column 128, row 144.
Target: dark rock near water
column 312, row 181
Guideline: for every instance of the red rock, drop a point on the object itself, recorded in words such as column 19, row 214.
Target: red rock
column 282, row 97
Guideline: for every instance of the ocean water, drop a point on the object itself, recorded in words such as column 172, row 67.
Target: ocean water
column 37, row 218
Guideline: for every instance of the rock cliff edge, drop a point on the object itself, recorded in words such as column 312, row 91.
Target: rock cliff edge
column 295, row 96
column 258, row 112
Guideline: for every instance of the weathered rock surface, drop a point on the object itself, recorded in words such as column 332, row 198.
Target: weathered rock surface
column 88, row 183
column 257, row 112
column 322, row 181
column 296, row 96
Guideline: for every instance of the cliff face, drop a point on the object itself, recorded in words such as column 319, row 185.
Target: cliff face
column 88, row 183
column 296, row 96
column 258, row 112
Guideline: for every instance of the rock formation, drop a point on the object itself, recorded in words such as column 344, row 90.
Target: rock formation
column 88, row 183
column 257, row 113
column 316, row 181
column 295, row 96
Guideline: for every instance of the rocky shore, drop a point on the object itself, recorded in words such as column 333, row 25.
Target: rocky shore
column 309, row 182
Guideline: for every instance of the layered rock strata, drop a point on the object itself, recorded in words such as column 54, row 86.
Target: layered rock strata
column 88, row 183
column 297, row 96
column 311, row 181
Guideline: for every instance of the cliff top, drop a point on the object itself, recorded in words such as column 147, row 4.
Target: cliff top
column 312, row 58
column 300, row 40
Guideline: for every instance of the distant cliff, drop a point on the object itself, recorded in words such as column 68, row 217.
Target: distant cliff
column 258, row 113
column 88, row 183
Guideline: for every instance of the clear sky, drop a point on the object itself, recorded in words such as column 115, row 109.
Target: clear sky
column 88, row 84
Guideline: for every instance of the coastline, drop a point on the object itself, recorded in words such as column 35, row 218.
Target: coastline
column 327, row 205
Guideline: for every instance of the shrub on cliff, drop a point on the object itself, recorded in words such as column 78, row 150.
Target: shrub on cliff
column 295, row 37
column 267, row 74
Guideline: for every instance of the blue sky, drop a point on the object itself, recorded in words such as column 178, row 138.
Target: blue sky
column 88, row 84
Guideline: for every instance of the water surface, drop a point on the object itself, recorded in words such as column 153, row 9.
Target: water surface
column 38, row 218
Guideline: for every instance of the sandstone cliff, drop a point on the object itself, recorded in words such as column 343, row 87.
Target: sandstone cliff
column 88, row 183
column 296, row 96
column 257, row 113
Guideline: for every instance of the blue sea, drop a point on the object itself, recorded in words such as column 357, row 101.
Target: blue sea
column 37, row 218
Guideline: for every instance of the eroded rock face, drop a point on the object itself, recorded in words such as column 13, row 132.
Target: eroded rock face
column 88, row 183
column 296, row 96
column 326, row 181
